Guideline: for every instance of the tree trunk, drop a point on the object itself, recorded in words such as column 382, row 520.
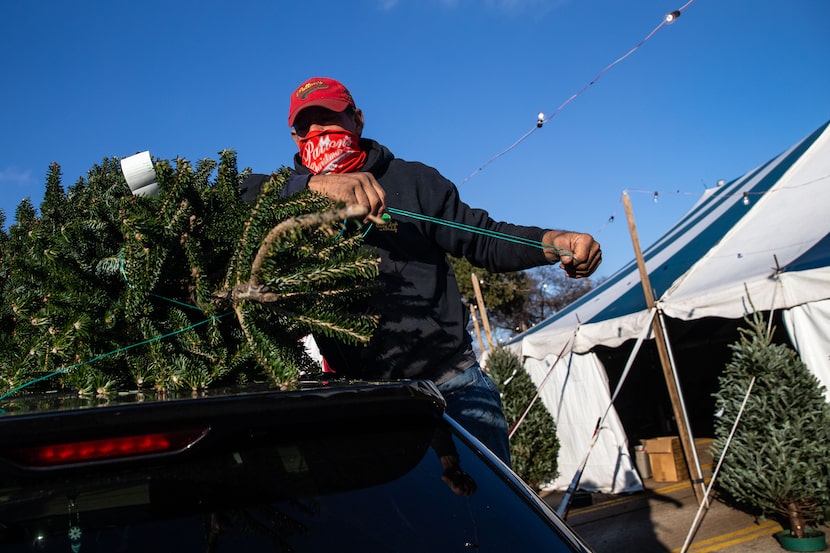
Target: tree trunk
column 796, row 520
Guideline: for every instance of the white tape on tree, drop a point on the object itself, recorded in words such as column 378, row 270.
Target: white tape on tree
column 140, row 174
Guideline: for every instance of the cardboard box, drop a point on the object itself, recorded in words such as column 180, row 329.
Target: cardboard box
column 666, row 458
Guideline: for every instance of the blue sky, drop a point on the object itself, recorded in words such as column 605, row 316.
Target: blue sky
column 451, row 83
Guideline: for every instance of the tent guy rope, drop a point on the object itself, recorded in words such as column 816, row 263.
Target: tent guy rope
column 565, row 504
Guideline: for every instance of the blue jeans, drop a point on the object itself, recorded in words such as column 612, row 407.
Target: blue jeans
column 474, row 402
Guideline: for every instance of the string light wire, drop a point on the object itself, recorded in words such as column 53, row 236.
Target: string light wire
column 746, row 196
column 667, row 20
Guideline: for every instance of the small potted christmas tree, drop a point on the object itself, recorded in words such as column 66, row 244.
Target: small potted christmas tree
column 778, row 461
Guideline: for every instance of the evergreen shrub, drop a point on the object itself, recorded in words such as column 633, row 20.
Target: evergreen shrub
column 534, row 447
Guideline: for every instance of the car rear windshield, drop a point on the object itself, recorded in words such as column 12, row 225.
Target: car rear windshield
column 402, row 487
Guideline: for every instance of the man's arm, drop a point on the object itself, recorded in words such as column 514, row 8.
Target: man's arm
column 578, row 254
column 295, row 183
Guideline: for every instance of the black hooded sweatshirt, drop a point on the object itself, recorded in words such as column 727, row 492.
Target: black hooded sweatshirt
column 423, row 323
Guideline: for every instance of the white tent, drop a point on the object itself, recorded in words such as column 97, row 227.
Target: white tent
column 762, row 240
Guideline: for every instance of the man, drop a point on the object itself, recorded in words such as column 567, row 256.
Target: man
column 423, row 325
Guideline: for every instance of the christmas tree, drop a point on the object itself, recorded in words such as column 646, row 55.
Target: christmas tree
column 777, row 462
column 534, row 447
column 104, row 291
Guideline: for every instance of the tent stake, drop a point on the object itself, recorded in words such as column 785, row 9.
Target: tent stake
column 686, row 439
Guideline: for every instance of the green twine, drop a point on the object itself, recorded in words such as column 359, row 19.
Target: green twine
column 122, row 268
column 385, row 217
column 469, row 228
column 177, row 302
column 484, row 232
column 62, row 370
column 108, row 354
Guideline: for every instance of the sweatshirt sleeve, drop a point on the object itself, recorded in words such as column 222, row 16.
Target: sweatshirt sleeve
column 250, row 187
column 295, row 183
column 471, row 233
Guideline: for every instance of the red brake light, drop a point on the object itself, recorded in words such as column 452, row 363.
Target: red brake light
column 106, row 449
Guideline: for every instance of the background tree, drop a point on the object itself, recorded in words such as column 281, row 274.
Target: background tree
column 504, row 294
column 106, row 291
column 516, row 301
column 534, row 448
column 777, row 462
column 551, row 290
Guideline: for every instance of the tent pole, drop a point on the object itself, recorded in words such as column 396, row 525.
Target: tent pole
column 481, row 309
column 697, row 470
column 669, row 374
column 477, row 328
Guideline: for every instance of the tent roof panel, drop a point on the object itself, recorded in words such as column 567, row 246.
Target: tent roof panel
column 721, row 243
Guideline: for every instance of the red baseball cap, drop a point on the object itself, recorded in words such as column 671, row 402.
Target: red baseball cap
column 319, row 91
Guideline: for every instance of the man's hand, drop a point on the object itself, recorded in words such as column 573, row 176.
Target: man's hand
column 352, row 189
column 578, row 253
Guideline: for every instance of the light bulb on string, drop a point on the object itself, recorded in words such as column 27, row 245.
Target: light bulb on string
column 672, row 17
column 746, row 198
column 656, row 197
column 540, row 119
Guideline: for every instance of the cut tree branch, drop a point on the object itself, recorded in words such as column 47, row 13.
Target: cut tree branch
column 303, row 221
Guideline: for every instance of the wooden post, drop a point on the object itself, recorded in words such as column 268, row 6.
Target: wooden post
column 482, row 310
column 686, row 440
column 478, row 329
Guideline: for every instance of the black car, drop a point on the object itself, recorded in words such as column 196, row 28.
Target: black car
column 324, row 467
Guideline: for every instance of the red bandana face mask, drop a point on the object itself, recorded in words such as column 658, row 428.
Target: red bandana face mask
column 331, row 152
